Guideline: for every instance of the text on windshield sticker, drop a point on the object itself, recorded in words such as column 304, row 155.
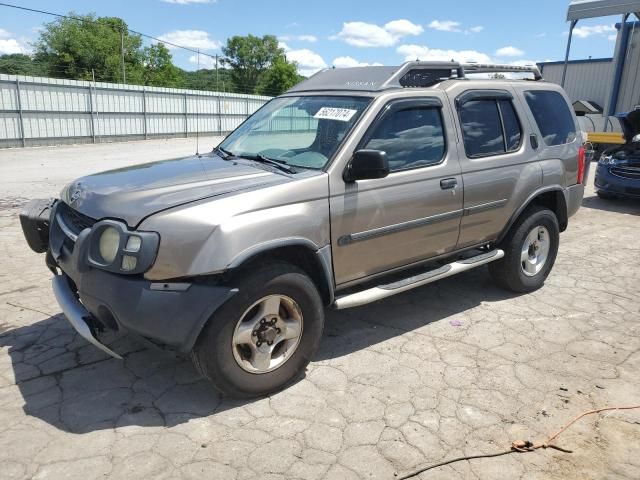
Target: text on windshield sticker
column 331, row 113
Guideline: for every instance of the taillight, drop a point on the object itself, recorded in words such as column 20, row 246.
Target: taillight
column 582, row 158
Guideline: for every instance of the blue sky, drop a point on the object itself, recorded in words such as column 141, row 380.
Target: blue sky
column 320, row 33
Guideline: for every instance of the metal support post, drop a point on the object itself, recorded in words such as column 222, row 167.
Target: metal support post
column 19, row 99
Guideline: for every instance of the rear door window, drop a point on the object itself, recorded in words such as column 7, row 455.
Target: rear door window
column 489, row 127
column 552, row 115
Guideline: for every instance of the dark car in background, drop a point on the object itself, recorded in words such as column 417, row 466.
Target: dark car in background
column 618, row 172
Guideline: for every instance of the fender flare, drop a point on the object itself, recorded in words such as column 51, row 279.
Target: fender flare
column 322, row 256
column 528, row 202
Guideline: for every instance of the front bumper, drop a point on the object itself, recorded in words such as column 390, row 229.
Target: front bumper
column 618, row 181
column 75, row 312
column 169, row 313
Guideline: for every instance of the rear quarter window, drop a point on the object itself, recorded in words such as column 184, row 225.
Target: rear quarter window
column 552, row 115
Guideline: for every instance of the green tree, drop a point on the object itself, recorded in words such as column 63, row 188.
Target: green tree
column 249, row 57
column 158, row 68
column 73, row 47
column 20, row 64
column 280, row 77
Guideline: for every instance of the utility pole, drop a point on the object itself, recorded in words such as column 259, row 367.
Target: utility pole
column 124, row 72
column 217, row 87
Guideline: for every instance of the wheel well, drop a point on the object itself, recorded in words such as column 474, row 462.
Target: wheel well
column 554, row 201
column 303, row 258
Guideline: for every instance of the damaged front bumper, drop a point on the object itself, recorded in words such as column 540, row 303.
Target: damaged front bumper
column 168, row 313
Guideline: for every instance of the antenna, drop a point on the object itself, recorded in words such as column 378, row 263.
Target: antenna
column 198, row 116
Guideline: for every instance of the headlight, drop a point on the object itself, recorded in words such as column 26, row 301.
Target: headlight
column 109, row 244
column 115, row 248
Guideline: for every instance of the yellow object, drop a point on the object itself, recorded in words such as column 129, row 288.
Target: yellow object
column 606, row 137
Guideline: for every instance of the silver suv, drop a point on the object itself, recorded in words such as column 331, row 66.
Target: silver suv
column 355, row 185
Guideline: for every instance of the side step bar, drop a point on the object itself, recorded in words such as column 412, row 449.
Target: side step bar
column 384, row 291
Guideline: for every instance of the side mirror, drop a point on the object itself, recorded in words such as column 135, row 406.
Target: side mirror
column 367, row 165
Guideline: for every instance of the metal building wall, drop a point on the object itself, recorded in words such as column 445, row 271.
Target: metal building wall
column 586, row 79
column 629, row 91
column 45, row 111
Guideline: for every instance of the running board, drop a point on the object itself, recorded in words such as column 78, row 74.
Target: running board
column 384, row 291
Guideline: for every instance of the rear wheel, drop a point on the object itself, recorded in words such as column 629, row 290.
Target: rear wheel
column 530, row 251
column 264, row 336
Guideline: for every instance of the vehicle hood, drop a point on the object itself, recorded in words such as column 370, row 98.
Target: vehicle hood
column 630, row 123
column 133, row 193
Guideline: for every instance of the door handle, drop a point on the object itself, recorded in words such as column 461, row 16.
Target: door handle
column 534, row 141
column 448, row 183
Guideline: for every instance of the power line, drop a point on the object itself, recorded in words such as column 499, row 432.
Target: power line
column 80, row 19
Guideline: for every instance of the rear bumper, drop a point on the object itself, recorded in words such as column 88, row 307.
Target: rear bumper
column 573, row 195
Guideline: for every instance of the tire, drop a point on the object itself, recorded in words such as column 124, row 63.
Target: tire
column 229, row 366
column 509, row 272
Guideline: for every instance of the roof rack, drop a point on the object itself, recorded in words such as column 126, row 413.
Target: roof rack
column 408, row 75
column 501, row 68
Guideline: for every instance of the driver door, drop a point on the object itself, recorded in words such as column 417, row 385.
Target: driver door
column 412, row 214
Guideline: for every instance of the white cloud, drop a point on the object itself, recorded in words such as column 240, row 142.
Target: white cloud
column 299, row 38
column 402, row 28
column 445, row 25
column 509, row 51
column 421, row 52
column 205, row 61
column 309, row 62
column 347, row 62
column 541, row 35
column 476, row 29
column 187, row 2
column 191, row 39
column 613, row 37
column 361, row 34
column 10, row 45
column 589, row 30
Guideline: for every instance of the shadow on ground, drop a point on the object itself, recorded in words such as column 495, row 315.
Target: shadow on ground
column 629, row 206
column 77, row 388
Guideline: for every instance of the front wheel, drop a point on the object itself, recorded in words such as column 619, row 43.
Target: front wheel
column 530, row 251
column 264, row 336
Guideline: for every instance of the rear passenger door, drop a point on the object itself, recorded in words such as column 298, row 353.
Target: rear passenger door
column 499, row 165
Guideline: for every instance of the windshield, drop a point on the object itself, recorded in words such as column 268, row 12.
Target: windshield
column 299, row 131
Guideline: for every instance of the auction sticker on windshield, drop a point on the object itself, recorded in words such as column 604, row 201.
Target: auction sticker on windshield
column 332, row 113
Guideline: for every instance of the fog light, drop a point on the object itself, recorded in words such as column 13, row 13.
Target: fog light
column 133, row 244
column 129, row 263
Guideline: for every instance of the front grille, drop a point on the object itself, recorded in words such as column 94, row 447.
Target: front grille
column 74, row 220
column 632, row 173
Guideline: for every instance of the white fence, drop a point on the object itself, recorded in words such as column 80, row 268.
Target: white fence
column 46, row 111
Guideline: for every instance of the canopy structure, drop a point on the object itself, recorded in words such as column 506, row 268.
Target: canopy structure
column 581, row 9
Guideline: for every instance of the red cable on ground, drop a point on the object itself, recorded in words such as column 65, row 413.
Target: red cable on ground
column 519, row 446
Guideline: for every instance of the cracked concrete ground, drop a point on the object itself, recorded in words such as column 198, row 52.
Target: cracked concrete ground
column 458, row 367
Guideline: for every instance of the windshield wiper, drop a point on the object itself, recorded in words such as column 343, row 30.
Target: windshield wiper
column 227, row 154
column 270, row 161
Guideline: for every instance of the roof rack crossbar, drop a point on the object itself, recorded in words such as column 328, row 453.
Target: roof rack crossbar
column 500, row 68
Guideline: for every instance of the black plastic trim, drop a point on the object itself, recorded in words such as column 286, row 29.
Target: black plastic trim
column 398, row 227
